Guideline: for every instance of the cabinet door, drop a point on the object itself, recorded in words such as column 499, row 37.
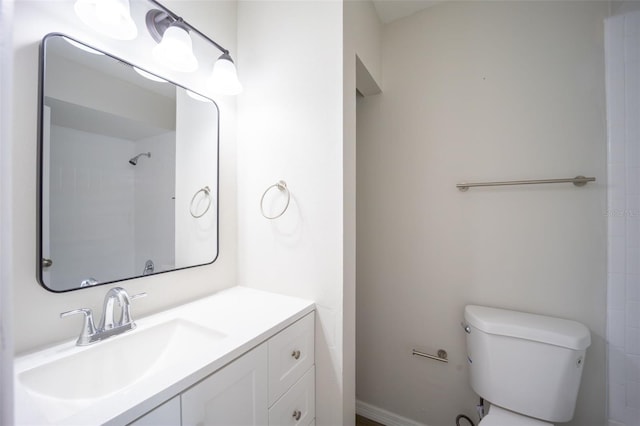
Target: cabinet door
column 236, row 395
column 168, row 414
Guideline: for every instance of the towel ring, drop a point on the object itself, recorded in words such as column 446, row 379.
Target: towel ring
column 282, row 186
column 207, row 193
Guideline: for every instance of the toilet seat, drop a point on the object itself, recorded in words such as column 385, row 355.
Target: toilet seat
column 500, row 417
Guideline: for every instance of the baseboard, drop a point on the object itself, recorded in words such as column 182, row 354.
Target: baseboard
column 392, row 419
column 383, row 416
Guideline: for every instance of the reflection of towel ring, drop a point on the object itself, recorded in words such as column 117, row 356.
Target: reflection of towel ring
column 207, row 193
column 282, row 186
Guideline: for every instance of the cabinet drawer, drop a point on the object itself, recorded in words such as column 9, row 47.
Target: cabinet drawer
column 291, row 353
column 297, row 405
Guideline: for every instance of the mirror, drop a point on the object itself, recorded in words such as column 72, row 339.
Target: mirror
column 128, row 178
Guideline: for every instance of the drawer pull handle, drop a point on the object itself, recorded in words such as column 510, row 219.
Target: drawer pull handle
column 297, row 414
column 295, row 354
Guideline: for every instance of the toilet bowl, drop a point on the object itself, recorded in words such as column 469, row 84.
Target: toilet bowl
column 500, row 417
column 527, row 366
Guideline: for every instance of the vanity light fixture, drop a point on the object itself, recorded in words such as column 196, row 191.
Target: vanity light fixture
column 224, row 78
column 109, row 17
column 174, row 49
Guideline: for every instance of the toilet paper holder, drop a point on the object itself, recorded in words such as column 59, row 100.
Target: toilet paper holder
column 441, row 356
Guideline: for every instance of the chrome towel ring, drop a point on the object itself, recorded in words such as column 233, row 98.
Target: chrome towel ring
column 206, row 193
column 282, row 186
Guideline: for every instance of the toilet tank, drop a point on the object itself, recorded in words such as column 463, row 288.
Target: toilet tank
column 530, row 364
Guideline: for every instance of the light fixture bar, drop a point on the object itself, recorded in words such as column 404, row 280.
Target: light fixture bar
column 191, row 27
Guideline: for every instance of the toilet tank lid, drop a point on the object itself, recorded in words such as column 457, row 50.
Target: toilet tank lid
column 539, row 328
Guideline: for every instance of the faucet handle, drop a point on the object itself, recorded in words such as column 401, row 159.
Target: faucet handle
column 88, row 327
column 138, row 296
column 126, row 310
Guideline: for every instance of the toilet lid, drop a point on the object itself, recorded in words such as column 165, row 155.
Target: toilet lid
column 500, row 417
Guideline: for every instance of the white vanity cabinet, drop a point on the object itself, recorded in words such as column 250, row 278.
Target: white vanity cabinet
column 234, row 396
column 168, row 414
column 237, row 357
column 272, row 384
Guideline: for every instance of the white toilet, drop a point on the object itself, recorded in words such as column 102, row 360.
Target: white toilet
column 527, row 366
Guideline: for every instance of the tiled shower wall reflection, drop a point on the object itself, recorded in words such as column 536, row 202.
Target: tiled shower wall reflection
column 622, row 50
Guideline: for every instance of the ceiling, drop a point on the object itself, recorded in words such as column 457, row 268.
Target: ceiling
column 390, row 10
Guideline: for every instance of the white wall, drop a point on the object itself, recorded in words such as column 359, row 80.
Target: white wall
column 6, row 233
column 290, row 128
column 362, row 70
column 479, row 91
column 34, row 19
column 363, row 36
column 623, row 302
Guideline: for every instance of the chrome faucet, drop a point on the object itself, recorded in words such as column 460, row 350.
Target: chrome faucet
column 109, row 325
column 116, row 294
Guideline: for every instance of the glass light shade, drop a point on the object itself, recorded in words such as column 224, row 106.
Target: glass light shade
column 149, row 76
column 175, row 50
column 224, row 78
column 109, row 17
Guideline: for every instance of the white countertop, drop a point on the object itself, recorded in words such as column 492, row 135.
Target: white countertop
column 246, row 317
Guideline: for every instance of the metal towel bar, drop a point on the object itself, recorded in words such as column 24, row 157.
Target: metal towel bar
column 577, row 181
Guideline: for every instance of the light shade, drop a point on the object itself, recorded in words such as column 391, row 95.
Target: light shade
column 175, row 50
column 224, row 78
column 109, row 17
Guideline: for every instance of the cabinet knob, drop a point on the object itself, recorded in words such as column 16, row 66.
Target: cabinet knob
column 297, row 414
column 296, row 354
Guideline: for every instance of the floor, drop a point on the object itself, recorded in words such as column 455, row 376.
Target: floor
column 363, row 421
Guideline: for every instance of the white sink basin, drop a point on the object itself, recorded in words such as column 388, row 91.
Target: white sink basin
column 116, row 363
